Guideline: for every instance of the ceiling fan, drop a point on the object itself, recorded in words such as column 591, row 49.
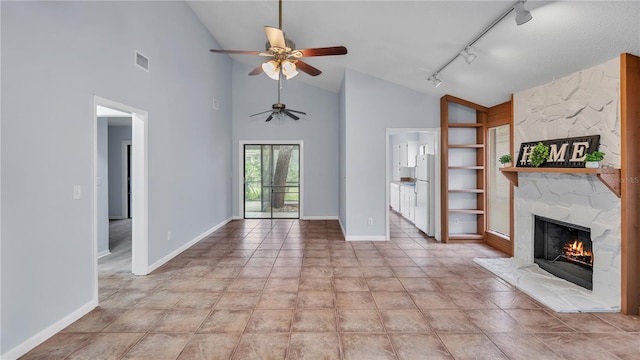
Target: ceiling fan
column 284, row 58
column 279, row 109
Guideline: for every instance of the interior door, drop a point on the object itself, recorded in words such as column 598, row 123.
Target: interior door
column 271, row 181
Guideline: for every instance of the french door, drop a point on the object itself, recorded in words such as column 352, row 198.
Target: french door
column 271, row 181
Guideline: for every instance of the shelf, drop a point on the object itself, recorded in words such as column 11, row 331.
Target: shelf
column 476, row 191
column 467, row 211
column 466, row 146
column 474, row 167
column 610, row 177
column 465, row 125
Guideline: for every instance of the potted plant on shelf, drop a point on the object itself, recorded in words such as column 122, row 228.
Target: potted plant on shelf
column 592, row 161
column 505, row 160
column 539, row 154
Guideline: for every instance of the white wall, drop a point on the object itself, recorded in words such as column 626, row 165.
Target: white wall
column 371, row 106
column 318, row 130
column 103, row 186
column 55, row 57
column 117, row 134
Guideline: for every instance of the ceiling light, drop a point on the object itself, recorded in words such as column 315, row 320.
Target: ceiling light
column 434, row 79
column 468, row 55
column 289, row 69
column 522, row 15
column 272, row 69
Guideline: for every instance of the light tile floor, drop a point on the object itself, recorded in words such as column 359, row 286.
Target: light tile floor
column 289, row 289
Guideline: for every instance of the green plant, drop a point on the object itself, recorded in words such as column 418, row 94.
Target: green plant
column 594, row 156
column 506, row 158
column 539, row 154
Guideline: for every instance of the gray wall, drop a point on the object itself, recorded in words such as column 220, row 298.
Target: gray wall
column 117, row 134
column 54, row 62
column 103, row 186
column 371, row 106
column 318, row 130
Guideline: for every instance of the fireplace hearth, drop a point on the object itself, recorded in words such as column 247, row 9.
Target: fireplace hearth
column 564, row 250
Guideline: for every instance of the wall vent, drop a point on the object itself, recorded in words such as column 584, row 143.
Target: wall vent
column 142, row 61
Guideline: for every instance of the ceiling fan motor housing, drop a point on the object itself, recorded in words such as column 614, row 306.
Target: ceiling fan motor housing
column 278, row 107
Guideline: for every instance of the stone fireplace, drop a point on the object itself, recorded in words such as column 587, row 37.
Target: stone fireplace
column 582, row 104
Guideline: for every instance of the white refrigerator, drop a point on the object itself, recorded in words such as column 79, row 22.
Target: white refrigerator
column 425, row 194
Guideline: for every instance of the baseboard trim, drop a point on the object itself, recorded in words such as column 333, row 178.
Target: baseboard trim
column 236, row 217
column 103, row 253
column 45, row 334
column 320, row 217
column 117, row 218
column 184, row 247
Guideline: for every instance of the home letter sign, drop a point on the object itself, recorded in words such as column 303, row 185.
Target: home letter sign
column 564, row 153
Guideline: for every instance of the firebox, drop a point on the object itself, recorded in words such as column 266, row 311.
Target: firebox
column 564, row 250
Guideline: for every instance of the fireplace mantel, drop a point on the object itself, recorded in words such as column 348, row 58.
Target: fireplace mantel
column 609, row 176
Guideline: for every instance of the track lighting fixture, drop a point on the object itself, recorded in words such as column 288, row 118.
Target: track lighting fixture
column 522, row 17
column 468, row 55
column 434, row 79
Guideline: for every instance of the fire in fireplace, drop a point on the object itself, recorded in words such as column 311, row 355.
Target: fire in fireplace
column 564, row 250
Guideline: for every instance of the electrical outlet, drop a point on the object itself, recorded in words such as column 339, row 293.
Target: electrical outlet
column 169, row 235
column 456, row 221
column 370, row 221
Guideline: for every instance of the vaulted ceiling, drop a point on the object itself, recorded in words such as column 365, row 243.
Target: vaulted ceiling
column 404, row 42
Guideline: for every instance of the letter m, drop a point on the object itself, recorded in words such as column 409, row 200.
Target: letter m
column 556, row 155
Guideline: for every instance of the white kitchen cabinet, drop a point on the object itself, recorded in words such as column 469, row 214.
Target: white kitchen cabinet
column 403, row 201
column 404, row 154
column 407, row 202
column 396, row 155
column 412, row 205
column 412, row 152
column 395, row 173
column 394, row 192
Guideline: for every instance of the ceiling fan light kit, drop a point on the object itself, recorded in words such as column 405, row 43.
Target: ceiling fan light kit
column 284, row 57
column 522, row 16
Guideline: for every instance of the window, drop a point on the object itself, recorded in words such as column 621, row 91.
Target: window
column 499, row 191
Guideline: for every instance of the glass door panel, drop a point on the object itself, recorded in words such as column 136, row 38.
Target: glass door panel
column 498, row 199
column 272, row 181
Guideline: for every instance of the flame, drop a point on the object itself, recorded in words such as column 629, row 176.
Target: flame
column 576, row 251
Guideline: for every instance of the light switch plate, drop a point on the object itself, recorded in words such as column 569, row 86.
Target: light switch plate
column 77, row 192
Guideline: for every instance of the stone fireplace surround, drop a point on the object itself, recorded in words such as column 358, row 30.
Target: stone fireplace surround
column 584, row 103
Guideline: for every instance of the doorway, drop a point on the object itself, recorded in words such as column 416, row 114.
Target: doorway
column 138, row 208
column 271, row 186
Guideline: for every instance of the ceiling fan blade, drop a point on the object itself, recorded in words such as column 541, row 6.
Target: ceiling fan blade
column 325, row 51
column 290, row 114
column 264, row 112
column 303, row 66
column 257, row 71
column 275, row 36
column 235, row 52
column 269, row 118
column 297, row 111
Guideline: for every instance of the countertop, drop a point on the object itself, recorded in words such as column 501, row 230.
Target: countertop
column 405, row 183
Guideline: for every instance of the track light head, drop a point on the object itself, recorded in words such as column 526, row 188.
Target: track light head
column 468, row 55
column 434, row 79
column 522, row 15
